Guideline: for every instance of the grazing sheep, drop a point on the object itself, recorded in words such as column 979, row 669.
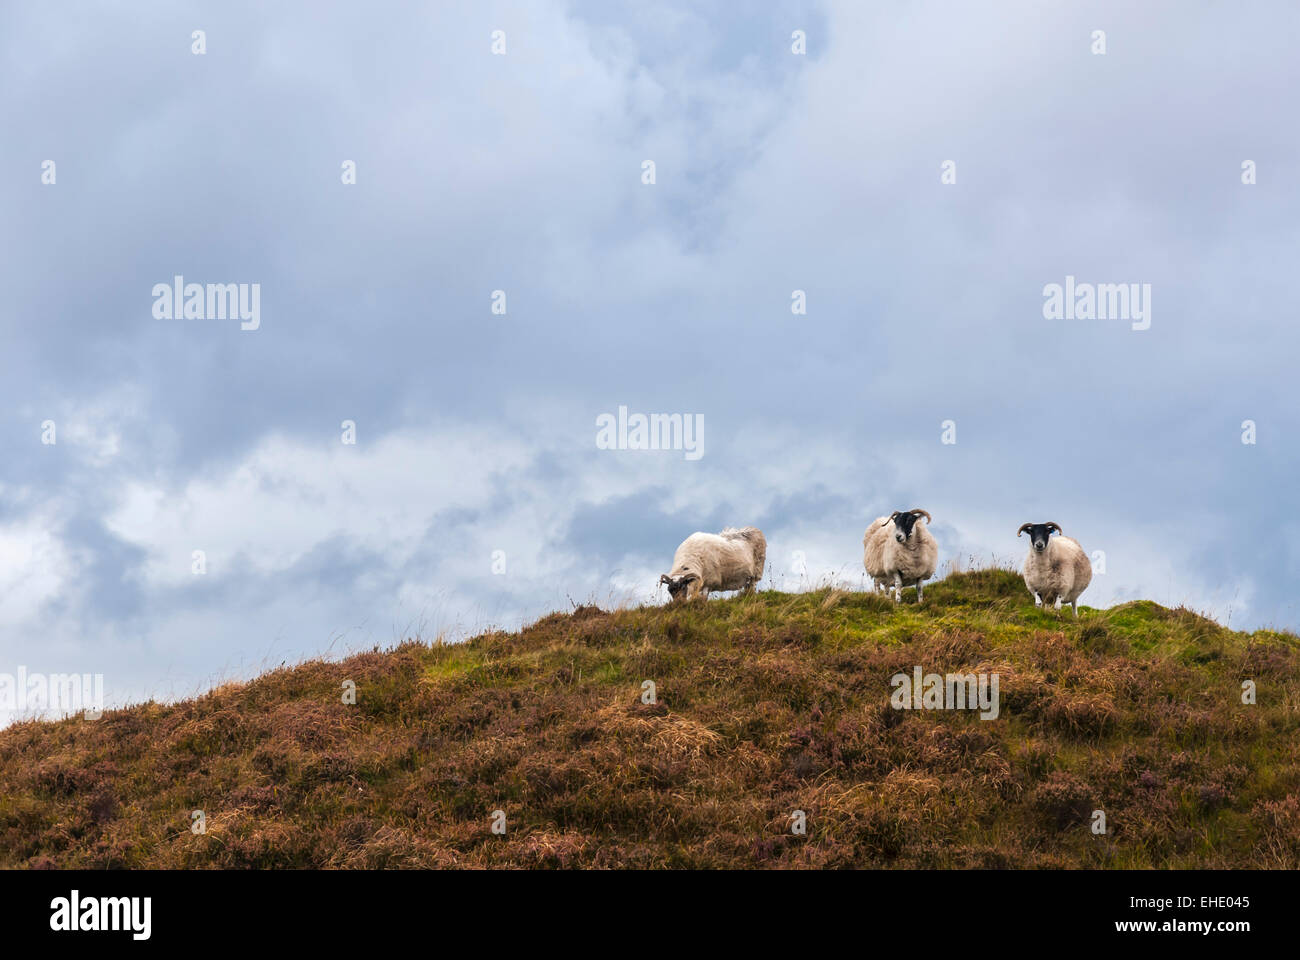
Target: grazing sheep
column 899, row 551
column 1055, row 570
column 730, row 560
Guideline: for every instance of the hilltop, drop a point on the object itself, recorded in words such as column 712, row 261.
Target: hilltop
column 767, row 704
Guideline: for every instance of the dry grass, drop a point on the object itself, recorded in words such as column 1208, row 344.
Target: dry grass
column 766, row 705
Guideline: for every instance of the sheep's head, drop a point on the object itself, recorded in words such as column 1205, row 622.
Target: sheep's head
column 1039, row 534
column 905, row 523
column 679, row 587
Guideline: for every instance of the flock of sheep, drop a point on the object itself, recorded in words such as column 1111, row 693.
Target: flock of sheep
column 898, row 552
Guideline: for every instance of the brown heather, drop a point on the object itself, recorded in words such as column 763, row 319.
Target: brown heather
column 767, row 704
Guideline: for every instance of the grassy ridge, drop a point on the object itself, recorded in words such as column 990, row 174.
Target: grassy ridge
column 767, row 704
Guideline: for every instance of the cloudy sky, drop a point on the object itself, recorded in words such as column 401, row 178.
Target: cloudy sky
column 475, row 493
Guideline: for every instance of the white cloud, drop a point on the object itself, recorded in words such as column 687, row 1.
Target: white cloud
column 35, row 568
column 285, row 498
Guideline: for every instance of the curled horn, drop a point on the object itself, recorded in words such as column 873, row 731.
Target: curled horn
column 919, row 512
column 1057, row 526
column 1023, row 528
column 666, row 579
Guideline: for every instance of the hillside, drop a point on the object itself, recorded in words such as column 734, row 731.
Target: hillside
column 767, row 704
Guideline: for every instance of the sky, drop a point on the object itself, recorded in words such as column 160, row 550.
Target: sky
column 837, row 264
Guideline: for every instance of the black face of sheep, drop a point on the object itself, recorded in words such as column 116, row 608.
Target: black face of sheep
column 904, row 522
column 676, row 588
column 1039, row 533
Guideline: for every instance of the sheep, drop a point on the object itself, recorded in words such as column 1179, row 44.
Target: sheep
column 873, row 552
column 730, row 560
column 1055, row 569
column 900, row 551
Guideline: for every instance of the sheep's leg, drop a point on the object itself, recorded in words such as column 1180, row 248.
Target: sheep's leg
column 898, row 587
column 919, row 598
column 1038, row 601
column 1074, row 605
